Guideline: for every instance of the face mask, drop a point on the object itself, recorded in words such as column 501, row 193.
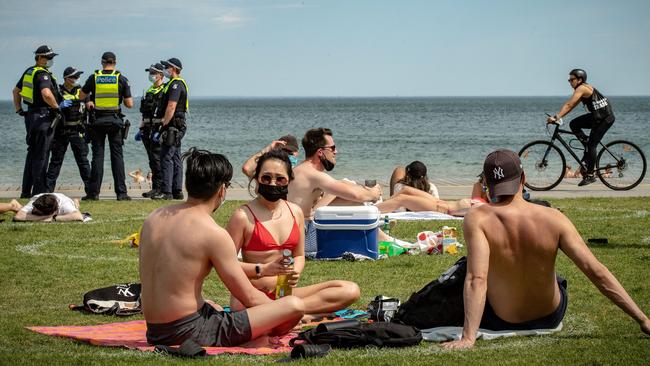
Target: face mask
column 152, row 78
column 167, row 74
column 293, row 160
column 49, row 63
column 272, row 193
column 328, row 165
column 76, row 83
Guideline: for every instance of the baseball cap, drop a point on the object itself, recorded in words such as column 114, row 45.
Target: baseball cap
column 71, row 72
column 157, row 67
column 173, row 62
column 108, row 56
column 416, row 170
column 502, row 169
column 291, row 143
column 46, row 51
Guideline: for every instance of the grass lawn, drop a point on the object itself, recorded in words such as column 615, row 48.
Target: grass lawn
column 45, row 267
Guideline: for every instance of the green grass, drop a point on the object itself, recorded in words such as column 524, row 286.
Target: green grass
column 45, row 267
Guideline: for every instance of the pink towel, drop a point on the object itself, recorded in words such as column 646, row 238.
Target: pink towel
column 133, row 335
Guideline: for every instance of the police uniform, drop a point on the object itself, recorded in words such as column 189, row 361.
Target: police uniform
column 38, row 121
column 150, row 107
column 70, row 132
column 172, row 169
column 107, row 89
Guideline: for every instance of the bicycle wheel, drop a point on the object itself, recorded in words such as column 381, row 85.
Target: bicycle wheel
column 621, row 165
column 544, row 165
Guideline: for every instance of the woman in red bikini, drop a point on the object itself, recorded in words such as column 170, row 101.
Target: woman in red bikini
column 265, row 226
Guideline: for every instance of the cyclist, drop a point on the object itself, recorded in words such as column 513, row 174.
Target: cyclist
column 599, row 119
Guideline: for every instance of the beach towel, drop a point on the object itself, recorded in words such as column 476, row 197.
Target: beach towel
column 132, row 335
column 421, row 215
column 442, row 334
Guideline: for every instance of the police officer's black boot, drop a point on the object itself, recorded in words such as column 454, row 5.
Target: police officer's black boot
column 161, row 196
column 150, row 193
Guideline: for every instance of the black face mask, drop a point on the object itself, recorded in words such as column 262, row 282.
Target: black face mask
column 272, row 193
column 328, row 165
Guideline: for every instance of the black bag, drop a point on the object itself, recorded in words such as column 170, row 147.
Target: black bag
column 382, row 308
column 439, row 303
column 379, row 334
column 120, row 300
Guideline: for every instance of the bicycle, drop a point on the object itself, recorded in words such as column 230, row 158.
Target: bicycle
column 620, row 164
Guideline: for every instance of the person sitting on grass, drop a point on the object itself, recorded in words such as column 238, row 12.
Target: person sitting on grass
column 267, row 225
column 179, row 246
column 413, row 175
column 512, row 246
column 414, row 199
column 288, row 143
column 47, row 207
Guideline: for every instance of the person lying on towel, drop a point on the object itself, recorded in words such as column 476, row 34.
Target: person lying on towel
column 48, row 207
column 512, row 244
column 269, row 224
column 179, row 246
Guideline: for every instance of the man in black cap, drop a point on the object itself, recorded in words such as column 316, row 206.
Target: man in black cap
column 150, row 126
column 512, row 244
column 70, row 131
column 38, row 90
column 107, row 89
column 174, row 106
column 288, row 143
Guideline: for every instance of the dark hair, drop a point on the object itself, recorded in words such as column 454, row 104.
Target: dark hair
column 205, row 173
column 315, row 139
column 416, row 176
column 44, row 205
column 277, row 154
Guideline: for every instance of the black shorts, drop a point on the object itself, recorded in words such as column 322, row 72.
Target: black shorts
column 208, row 327
column 492, row 321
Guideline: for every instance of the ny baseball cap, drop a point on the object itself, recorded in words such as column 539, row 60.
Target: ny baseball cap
column 502, row 169
column 157, row 67
column 71, row 72
column 46, row 51
column 108, row 56
column 173, row 62
column 291, row 143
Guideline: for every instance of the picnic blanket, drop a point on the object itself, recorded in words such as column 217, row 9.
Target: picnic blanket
column 442, row 334
column 132, row 335
column 421, row 215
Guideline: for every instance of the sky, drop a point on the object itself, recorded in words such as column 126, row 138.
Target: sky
column 342, row 48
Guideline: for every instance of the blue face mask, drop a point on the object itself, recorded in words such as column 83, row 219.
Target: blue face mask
column 293, row 160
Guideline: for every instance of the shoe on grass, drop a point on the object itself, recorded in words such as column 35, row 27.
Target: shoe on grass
column 90, row 197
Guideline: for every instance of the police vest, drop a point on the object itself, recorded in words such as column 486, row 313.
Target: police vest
column 107, row 91
column 74, row 113
column 182, row 108
column 27, row 91
column 151, row 102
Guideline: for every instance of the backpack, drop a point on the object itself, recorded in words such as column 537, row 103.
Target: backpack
column 439, row 303
column 119, row 300
column 382, row 308
column 353, row 334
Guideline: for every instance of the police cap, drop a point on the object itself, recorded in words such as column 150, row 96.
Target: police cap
column 157, row 67
column 45, row 51
column 71, row 72
column 108, row 56
column 173, row 62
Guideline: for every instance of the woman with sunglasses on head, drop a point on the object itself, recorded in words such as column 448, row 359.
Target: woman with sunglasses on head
column 269, row 224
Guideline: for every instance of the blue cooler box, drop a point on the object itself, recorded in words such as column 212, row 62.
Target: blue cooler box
column 341, row 229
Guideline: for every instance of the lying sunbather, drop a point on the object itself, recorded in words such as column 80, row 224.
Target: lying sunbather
column 48, row 207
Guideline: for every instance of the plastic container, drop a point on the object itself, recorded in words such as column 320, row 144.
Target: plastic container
column 341, row 229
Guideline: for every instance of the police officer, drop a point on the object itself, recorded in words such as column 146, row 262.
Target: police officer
column 175, row 105
column 70, row 131
column 37, row 88
column 150, row 126
column 107, row 89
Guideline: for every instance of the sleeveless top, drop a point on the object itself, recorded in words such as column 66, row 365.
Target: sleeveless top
column 599, row 107
column 261, row 239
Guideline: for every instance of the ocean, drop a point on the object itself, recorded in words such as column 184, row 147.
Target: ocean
column 451, row 135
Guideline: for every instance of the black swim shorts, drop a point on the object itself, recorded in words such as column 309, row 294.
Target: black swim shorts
column 208, row 327
column 492, row 321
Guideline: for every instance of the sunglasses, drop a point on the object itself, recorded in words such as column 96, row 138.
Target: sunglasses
column 279, row 180
column 571, row 79
column 331, row 148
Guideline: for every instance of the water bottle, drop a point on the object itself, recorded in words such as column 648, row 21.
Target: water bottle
column 386, row 227
column 282, row 287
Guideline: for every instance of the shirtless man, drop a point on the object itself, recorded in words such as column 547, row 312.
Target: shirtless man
column 179, row 246
column 313, row 187
column 512, row 245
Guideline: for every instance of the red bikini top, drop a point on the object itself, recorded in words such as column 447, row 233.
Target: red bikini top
column 261, row 240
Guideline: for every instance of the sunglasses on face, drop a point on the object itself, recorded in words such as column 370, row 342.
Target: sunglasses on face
column 571, row 79
column 332, row 148
column 279, row 180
